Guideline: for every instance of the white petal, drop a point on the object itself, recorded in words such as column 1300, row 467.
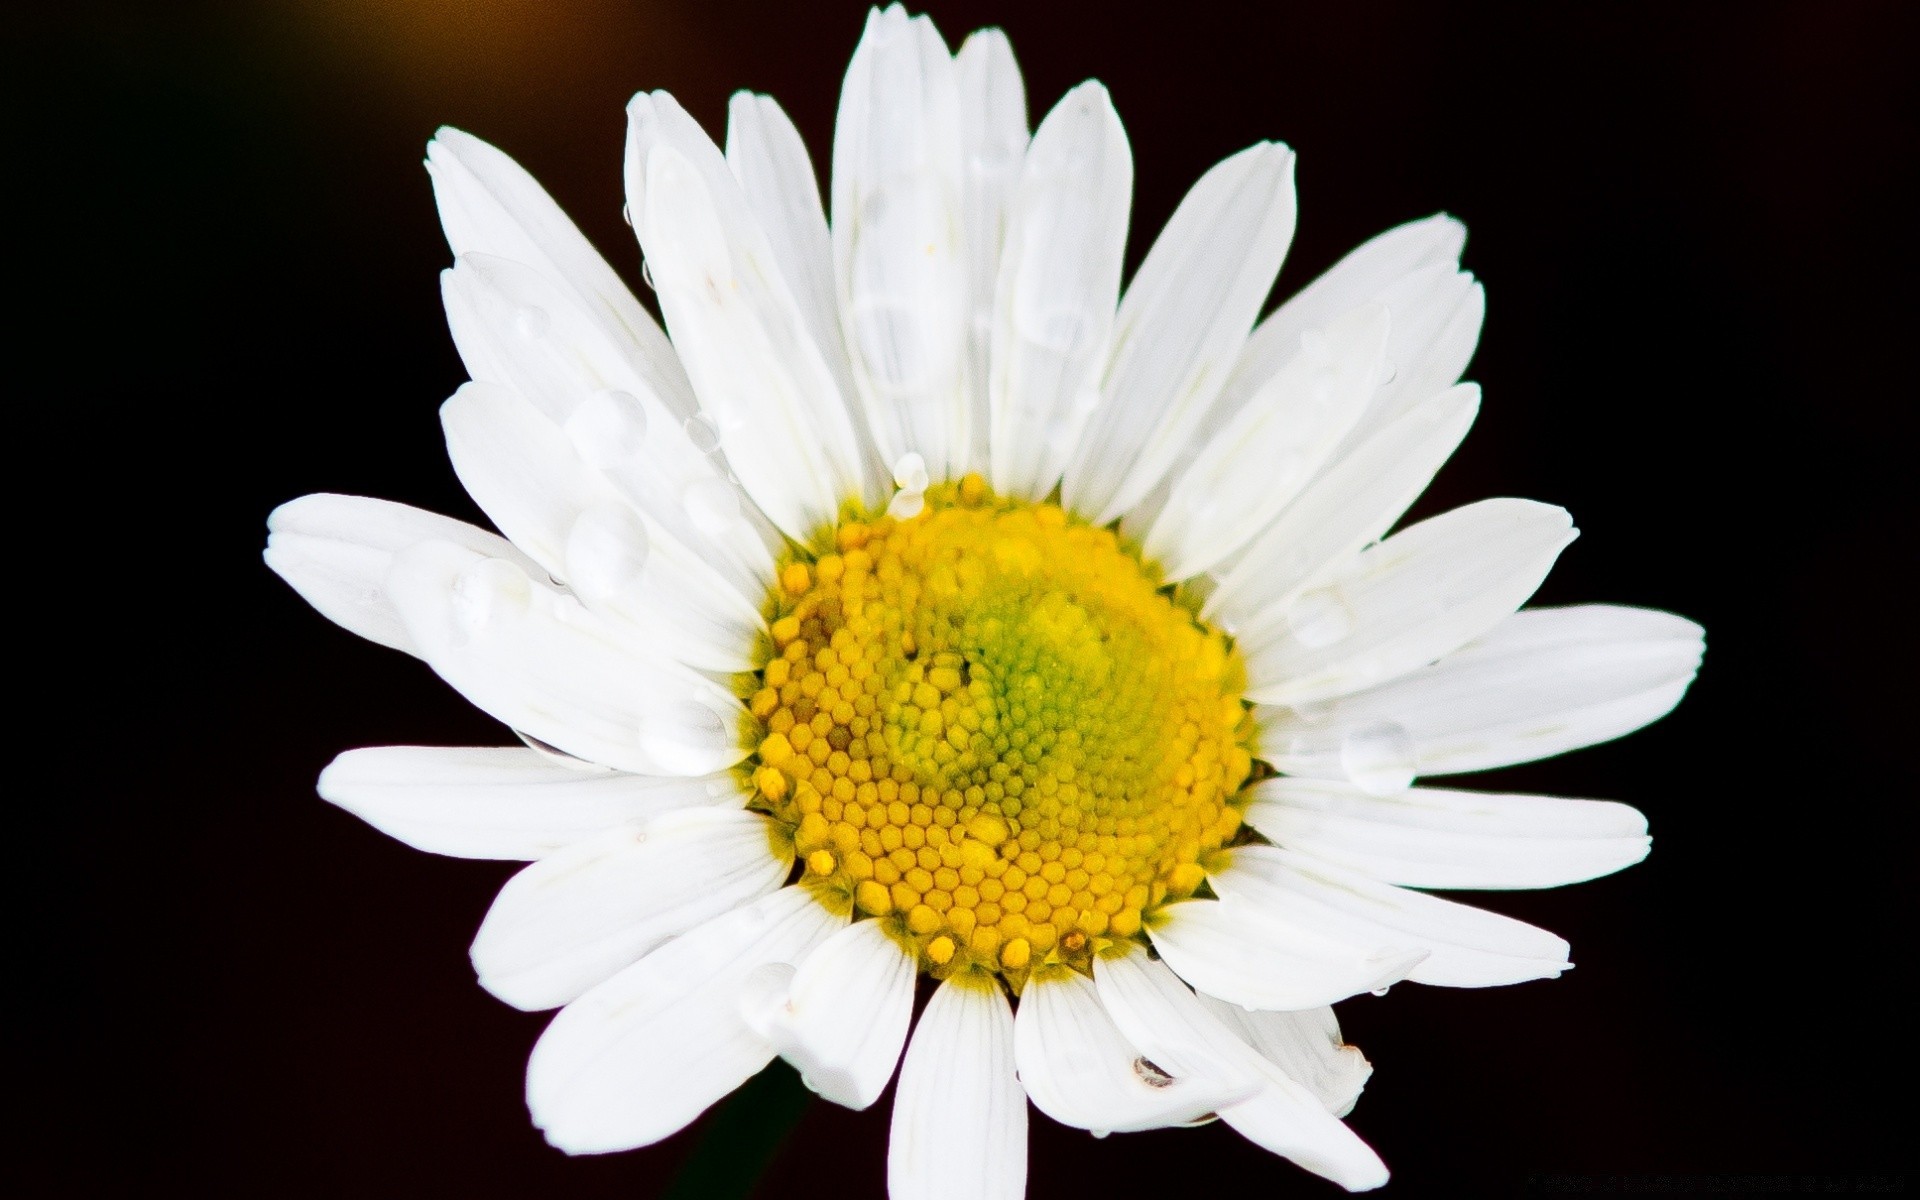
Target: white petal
column 1169, row 1025
column 1543, row 682
column 959, row 1116
column 993, row 139
column 1429, row 838
column 897, row 228
column 528, row 476
column 1359, row 279
column 335, row 551
column 1350, row 505
column 1422, row 593
column 776, row 176
column 637, row 1058
column 489, row 205
column 545, row 665
column 1079, row 1069
column 575, row 917
column 1306, row 1046
column 1267, row 451
column 1181, row 325
column 740, row 330
column 845, row 1014
column 501, row 801
column 1468, row 946
column 1437, row 313
column 1059, row 281
column 1262, row 955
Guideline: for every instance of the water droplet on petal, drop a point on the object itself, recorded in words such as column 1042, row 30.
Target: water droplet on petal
column 606, row 552
column 486, row 592
column 1379, row 759
column 1320, row 618
column 646, row 274
column 905, row 506
column 685, row 741
column 531, row 322
column 626, row 214
column 608, row 428
column 1380, row 991
column 763, row 994
column 703, row 433
column 910, row 472
column 712, row 505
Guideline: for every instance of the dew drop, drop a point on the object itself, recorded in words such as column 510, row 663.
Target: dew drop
column 1320, row 618
column 646, row 275
column 702, row 432
column 1380, row 991
column 486, row 592
column 905, row 506
column 1379, row 759
column 531, row 321
column 608, row 428
column 626, row 214
column 557, row 756
column 685, row 742
column 606, row 552
column 712, row 505
column 910, row 472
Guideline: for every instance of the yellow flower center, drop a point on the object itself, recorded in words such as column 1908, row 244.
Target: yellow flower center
column 989, row 726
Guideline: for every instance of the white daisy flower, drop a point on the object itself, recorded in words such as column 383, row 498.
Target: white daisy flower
column 929, row 606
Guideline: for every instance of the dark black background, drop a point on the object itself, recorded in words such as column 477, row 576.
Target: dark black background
column 1695, row 227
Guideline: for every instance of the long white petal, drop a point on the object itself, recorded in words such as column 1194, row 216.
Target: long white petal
column 993, row 140
column 1181, row 325
column 576, row 917
column 844, row 1017
column 1350, row 505
column 1544, row 681
column 335, row 551
column 1468, row 947
column 1438, row 311
column 897, row 229
column 489, row 205
column 1424, row 592
column 761, row 378
column 1262, row 955
column 1059, row 280
column 1176, row 1031
column 501, row 801
column 547, row 666
column 1306, row 1046
column 637, row 1058
column 959, row 1115
column 1430, row 838
column 1079, row 1069
column 1266, row 452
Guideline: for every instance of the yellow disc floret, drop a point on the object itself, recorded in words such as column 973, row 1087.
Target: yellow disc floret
column 990, row 727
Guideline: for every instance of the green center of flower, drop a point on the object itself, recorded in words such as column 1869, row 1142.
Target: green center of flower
column 990, row 727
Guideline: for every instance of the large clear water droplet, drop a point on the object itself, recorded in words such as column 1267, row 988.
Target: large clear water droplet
column 606, row 552
column 487, row 592
column 910, row 472
column 712, row 505
column 684, row 742
column 1320, row 618
column 703, row 433
column 1379, row 759
column 646, row 275
column 608, row 428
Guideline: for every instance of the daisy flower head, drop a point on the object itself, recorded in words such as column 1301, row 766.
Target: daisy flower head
column 922, row 610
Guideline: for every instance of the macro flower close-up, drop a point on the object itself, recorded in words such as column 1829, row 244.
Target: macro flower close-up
column 923, row 604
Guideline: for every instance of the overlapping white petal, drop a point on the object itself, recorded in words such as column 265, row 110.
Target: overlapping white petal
column 1466, row 947
column 335, row 552
column 1174, row 1029
column 1180, row 327
column 843, row 1018
column 1053, row 306
column 959, row 1128
column 993, row 140
column 742, row 335
column 1431, row 838
column 1080, row 1070
column 572, row 919
column 898, row 228
column 544, row 664
column 1348, row 506
column 1543, row 682
column 1264, row 955
column 638, row 1057
column 505, row 802
column 490, row 206
column 1305, row 1045
column 1422, row 593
